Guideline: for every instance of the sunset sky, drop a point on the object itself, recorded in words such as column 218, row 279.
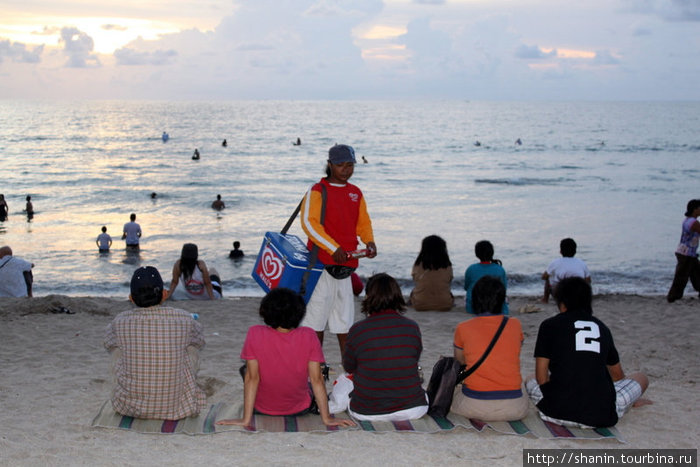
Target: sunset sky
column 351, row 49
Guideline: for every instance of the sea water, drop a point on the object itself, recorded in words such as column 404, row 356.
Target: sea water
column 614, row 176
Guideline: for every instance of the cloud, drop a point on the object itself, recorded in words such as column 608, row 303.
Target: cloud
column 604, row 57
column 78, row 46
column 47, row 31
column 114, row 27
column 18, row 52
column 669, row 10
column 429, row 2
column 127, row 56
column 533, row 52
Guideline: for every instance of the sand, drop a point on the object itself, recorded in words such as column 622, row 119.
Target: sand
column 55, row 376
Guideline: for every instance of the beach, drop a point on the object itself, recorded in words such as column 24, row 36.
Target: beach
column 55, row 378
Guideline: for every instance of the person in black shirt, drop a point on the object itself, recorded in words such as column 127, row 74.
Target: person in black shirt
column 578, row 377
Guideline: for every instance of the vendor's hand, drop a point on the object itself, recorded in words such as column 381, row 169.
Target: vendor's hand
column 372, row 250
column 234, row 421
column 338, row 422
column 340, row 256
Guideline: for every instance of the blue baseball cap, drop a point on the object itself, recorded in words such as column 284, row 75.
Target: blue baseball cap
column 341, row 153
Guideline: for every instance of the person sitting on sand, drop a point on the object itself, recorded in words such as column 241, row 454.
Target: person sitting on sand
column 578, row 376
column 283, row 364
column 16, row 277
column 382, row 352
column 104, row 240
column 687, row 265
column 199, row 282
column 432, row 275
column 155, row 353
column 487, row 266
column 236, row 253
column 493, row 392
column 566, row 266
column 218, row 204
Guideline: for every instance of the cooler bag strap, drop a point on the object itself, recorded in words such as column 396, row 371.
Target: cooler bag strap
column 314, row 249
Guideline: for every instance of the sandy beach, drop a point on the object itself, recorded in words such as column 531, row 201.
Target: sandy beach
column 55, row 377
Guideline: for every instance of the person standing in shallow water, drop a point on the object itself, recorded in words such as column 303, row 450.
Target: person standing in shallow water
column 218, row 204
column 29, row 208
column 687, row 266
column 4, row 209
column 132, row 233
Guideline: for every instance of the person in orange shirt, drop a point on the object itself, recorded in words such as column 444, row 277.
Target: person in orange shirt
column 335, row 231
column 493, row 392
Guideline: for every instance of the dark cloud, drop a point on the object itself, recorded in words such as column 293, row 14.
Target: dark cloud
column 127, row 56
column 78, row 46
column 670, row 10
column 18, row 52
column 533, row 52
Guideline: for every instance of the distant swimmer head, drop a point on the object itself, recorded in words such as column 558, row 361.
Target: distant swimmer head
column 154, row 195
column 341, row 153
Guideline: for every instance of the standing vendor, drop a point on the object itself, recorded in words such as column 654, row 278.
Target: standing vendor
column 345, row 219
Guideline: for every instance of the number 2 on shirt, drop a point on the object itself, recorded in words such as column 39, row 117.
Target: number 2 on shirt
column 586, row 336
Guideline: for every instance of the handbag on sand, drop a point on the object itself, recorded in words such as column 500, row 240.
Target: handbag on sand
column 448, row 372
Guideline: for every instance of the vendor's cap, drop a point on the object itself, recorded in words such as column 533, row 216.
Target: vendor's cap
column 341, row 153
column 146, row 286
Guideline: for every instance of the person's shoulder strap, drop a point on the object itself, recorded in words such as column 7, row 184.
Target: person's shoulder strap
column 473, row 368
column 289, row 223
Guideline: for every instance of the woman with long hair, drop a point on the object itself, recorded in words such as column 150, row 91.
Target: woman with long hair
column 199, row 282
column 432, row 275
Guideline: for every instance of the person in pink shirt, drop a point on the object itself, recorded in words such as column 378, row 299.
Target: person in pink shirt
column 283, row 364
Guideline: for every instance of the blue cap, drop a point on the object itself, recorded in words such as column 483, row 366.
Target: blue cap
column 341, row 153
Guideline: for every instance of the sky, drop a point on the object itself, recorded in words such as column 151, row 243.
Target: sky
column 350, row 49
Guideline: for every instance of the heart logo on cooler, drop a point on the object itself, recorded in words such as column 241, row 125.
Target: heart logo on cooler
column 271, row 265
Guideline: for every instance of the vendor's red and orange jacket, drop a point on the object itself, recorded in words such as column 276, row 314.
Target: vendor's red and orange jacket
column 345, row 219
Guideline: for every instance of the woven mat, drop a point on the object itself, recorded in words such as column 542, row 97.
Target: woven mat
column 204, row 423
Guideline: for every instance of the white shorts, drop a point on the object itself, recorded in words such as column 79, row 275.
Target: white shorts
column 627, row 391
column 331, row 303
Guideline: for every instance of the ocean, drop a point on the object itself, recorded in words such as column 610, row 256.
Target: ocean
column 614, row 176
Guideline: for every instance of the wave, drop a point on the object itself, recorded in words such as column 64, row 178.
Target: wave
column 523, row 181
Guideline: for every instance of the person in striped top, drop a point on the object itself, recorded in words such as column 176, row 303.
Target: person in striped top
column 382, row 353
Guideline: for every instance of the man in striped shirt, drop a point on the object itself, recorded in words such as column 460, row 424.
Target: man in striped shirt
column 154, row 351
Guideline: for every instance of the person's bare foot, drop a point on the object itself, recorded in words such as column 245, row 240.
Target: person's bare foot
column 642, row 401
